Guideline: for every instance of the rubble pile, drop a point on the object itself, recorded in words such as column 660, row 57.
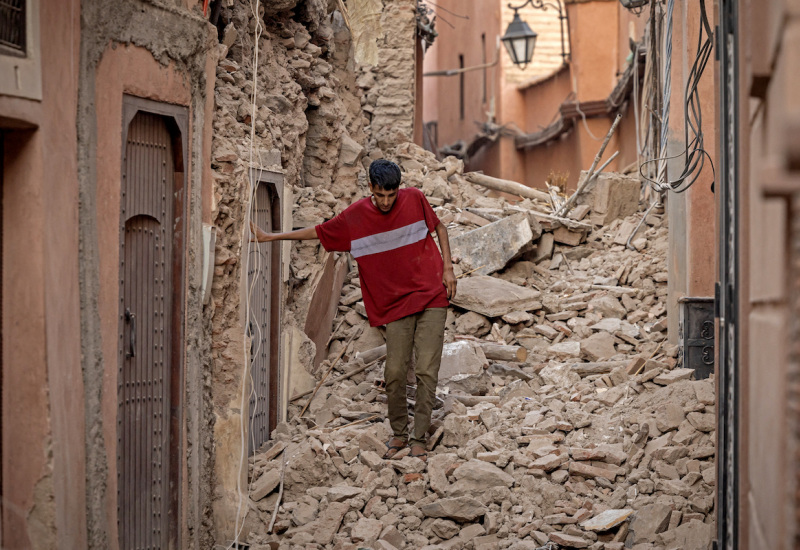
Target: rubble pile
column 564, row 419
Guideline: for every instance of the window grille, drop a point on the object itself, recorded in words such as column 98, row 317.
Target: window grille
column 12, row 26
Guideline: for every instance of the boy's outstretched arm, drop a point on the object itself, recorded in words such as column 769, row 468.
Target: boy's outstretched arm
column 305, row 234
column 448, row 277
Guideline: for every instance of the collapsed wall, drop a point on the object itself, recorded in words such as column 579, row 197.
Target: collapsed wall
column 564, row 417
column 291, row 100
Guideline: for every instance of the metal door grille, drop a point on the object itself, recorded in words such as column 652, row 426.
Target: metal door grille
column 259, row 279
column 143, row 472
column 12, row 25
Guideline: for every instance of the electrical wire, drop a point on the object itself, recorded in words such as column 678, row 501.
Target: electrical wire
column 695, row 154
column 246, row 371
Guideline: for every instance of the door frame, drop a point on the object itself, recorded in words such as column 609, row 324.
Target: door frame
column 274, row 182
column 177, row 121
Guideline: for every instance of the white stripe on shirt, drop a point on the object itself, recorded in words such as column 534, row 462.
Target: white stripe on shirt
column 389, row 240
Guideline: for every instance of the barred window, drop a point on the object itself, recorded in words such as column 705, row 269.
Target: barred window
column 12, row 27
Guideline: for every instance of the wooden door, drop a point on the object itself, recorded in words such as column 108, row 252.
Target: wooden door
column 145, row 337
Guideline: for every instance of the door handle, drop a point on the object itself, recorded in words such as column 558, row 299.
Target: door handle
column 131, row 318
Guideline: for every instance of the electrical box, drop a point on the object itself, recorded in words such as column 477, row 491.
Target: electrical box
column 696, row 335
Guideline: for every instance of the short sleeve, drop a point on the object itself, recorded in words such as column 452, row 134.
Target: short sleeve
column 334, row 234
column 431, row 219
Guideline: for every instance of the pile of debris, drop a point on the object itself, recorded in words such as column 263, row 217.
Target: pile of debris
column 564, row 420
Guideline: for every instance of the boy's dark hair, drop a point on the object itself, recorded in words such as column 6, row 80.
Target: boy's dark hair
column 384, row 174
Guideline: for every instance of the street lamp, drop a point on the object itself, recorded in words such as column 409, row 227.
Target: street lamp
column 520, row 40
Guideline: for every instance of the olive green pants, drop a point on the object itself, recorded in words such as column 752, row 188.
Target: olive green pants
column 422, row 333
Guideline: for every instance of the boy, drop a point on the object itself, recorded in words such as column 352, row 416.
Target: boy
column 405, row 282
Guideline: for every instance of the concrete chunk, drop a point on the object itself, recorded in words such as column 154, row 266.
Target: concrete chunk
column 489, row 248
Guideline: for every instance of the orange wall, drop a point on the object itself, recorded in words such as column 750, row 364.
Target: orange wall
column 442, row 93
column 43, row 418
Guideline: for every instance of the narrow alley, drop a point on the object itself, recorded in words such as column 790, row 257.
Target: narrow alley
column 225, row 225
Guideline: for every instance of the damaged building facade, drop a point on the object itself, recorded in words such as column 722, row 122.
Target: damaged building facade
column 149, row 349
column 137, row 139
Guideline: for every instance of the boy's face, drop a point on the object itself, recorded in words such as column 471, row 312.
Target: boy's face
column 382, row 198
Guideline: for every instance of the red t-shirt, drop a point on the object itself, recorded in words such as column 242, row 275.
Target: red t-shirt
column 399, row 264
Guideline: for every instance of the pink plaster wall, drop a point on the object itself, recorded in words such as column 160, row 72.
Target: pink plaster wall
column 441, row 93
column 122, row 70
column 43, row 418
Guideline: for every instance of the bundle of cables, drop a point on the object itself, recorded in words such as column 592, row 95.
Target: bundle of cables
column 694, row 153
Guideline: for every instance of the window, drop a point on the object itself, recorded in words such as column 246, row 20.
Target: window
column 483, row 53
column 12, row 27
column 461, row 88
column 20, row 57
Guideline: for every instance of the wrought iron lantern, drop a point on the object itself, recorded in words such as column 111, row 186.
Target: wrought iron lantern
column 520, row 39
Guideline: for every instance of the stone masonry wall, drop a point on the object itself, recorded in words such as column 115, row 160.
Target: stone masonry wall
column 316, row 110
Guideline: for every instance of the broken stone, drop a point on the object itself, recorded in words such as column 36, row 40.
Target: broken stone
column 366, row 530
column 606, row 520
column 494, row 297
column 703, row 422
column 342, row 493
column 609, row 325
column 569, row 237
column 489, row 248
column 460, row 509
column 649, row 522
column 673, row 376
column 265, row 484
column 608, row 306
column 598, row 347
column 566, row 349
column 570, row 541
column 544, row 248
column 611, row 196
column 473, row 323
column 461, row 357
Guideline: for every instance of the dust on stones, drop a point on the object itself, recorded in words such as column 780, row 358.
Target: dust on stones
column 571, row 422
column 596, row 438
